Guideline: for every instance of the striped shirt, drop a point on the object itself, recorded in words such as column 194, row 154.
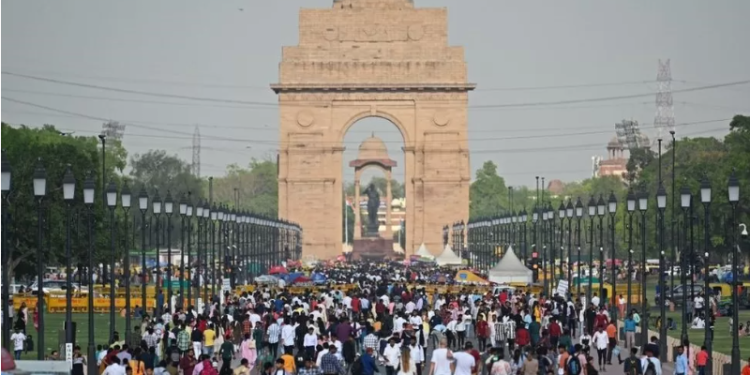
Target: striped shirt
column 274, row 331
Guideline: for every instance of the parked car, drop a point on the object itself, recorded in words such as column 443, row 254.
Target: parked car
column 675, row 295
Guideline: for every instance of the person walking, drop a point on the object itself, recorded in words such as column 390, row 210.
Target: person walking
column 601, row 342
column 441, row 359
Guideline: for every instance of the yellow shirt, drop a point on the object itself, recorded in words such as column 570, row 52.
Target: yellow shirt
column 288, row 363
column 209, row 336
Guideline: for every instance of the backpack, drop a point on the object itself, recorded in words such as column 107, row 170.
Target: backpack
column 208, row 369
column 634, row 364
column 574, row 365
column 357, row 366
column 650, row 368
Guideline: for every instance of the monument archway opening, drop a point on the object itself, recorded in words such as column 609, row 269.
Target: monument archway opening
column 373, row 173
column 373, row 58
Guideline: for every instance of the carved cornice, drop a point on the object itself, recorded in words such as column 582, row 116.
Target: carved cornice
column 430, row 87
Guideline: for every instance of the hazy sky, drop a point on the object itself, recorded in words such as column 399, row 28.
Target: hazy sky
column 214, row 49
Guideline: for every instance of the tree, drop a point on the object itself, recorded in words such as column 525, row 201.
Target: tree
column 157, row 171
column 23, row 148
column 487, row 194
column 347, row 236
column 257, row 186
column 397, row 189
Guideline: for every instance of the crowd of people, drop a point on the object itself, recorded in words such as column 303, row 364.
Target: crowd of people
column 387, row 323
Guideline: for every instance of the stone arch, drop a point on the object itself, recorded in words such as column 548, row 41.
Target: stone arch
column 378, row 114
column 380, row 58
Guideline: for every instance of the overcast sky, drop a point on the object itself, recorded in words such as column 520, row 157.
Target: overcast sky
column 230, row 50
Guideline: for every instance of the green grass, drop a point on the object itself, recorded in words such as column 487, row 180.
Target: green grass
column 53, row 324
column 722, row 342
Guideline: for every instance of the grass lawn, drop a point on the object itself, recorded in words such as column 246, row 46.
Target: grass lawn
column 722, row 339
column 53, row 324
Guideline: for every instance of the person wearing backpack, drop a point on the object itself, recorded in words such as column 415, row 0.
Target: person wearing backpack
column 650, row 364
column 574, row 366
column 632, row 364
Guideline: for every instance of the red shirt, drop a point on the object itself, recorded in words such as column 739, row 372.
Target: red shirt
column 522, row 337
column 477, row 359
column 356, row 304
column 483, row 329
column 554, row 330
column 701, row 359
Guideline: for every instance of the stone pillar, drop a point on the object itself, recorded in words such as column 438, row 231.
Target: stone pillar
column 388, row 199
column 355, row 206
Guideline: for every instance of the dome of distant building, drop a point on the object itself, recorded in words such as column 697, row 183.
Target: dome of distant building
column 556, row 187
column 372, row 148
column 614, row 143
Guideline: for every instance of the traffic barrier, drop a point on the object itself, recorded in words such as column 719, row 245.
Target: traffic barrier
column 57, row 305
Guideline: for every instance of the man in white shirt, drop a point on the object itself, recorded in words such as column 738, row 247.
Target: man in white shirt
column 441, row 359
column 310, row 342
column 398, row 324
column 464, row 362
column 392, row 355
column 18, row 339
column 115, row 368
column 595, row 300
column 417, row 354
column 601, row 342
column 287, row 335
column 698, row 303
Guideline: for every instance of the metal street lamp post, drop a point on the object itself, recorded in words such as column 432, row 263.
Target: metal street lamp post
column 125, row 201
column 592, row 214
column 69, row 193
column 569, row 210
column 88, row 199
column 143, row 206
column 111, row 195
column 543, row 240
column 708, row 335
column 199, row 212
column 214, row 213
column 168, row 209
column 630, row 208
column 183, row 211
column 661, row 204
column 189, row 281
column 156, row 210
column 600, row 211
column 733, row 190
column 7, row 320
column 643, row 207
column 612, row 209
column 579, row 215
column 686, row 198
column 40, row 190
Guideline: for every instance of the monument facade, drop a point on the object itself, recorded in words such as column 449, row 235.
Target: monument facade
column 373, row 58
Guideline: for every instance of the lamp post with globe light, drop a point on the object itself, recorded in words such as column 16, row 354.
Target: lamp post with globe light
column 708, row 334
column 630, row 208
column 40, row 190
column 7, row 319
column 592, row 215
column 686, row 198
column 643, row 208
column 143, row 207
column 733, row 192
column 612, row 209
column 111, row 195
column 69, row 193
column 88, row 199
column 600, row 211
column 579, row 216
column 661, row 205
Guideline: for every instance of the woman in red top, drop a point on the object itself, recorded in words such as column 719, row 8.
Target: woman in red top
column 483, row 333
column 522, row 337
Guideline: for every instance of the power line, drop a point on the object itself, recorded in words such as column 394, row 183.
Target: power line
column 267, row 88
column 279, row 142
column 232, row 101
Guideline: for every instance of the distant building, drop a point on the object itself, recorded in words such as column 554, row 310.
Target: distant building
column 556, row 187
column 615, row 164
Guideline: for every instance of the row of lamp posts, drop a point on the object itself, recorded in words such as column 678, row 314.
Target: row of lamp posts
column 235, row 240
column 487, row 233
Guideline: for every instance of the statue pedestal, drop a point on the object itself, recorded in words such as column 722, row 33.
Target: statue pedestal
column 372, row 249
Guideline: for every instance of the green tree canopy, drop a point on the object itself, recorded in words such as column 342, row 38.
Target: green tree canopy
column 487, row 194
column 257, row 186
column 24, row 147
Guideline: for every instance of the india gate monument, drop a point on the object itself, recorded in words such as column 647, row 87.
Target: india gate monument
column 373, row 58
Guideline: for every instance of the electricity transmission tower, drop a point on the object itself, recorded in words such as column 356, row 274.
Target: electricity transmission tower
column 113, row 130
column 664, row 119
column 196, row 166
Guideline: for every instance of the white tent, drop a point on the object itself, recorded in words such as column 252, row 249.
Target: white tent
column 423, row 252
column 510, row 270
column 448, row 258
